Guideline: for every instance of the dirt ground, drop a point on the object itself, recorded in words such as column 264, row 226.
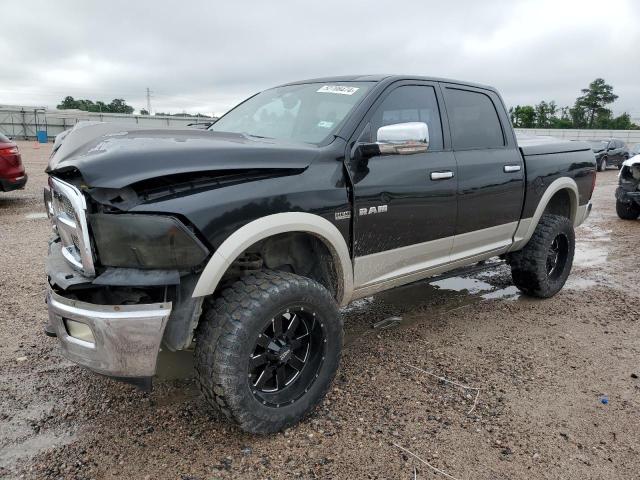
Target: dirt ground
column 559, row 390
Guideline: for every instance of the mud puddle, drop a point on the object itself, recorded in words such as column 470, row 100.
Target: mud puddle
column 22, row 437
column 385, row 311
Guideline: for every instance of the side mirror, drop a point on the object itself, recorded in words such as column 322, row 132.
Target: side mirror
column 398, row 139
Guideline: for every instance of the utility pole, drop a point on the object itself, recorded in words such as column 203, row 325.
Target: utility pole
column 148, row 100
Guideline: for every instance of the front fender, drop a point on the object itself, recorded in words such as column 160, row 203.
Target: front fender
column 269, row 226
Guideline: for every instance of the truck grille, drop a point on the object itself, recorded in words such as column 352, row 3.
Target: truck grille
column 68, row 213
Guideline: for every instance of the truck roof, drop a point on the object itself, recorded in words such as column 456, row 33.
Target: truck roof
column 388, row 79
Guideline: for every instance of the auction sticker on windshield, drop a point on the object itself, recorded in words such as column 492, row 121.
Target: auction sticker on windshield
column 341, row 89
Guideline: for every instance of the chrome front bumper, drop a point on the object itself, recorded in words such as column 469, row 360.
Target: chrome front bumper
column 126, row 338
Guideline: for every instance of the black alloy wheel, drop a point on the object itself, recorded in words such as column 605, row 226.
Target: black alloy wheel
column 267, row 349
column 542, row 266
column 287, row 356
column 557, row 256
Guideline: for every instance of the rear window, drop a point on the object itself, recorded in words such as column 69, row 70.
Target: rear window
column 474, row 120
column 4, row 139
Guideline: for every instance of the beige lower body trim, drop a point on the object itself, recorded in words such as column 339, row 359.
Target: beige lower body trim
column 422, row 274
column 480, row 241
column 380, row 271
column 382, row 266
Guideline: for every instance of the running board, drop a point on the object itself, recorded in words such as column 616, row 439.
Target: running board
column 462, row 271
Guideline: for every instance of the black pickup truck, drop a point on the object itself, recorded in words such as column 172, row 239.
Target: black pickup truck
column 241, row 242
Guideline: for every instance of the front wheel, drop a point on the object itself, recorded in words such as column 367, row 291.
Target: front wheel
column 627, row 210
column 267, row 350
column 541, row 268
column 602, row 166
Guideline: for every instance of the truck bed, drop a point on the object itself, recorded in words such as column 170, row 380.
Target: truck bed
column 543, row 145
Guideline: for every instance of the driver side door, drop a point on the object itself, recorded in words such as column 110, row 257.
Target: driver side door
column 405, row 205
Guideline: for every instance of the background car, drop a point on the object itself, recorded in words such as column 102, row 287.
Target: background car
column 12, row 174
column 609, row 152
column 635, row 150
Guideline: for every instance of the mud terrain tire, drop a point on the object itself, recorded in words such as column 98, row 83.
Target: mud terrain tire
column 541, row 268
column 257, row 314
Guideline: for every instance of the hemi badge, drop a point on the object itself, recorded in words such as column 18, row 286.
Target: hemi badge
column 343, row 215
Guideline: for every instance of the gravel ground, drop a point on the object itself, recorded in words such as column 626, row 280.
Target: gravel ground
column 544, row 370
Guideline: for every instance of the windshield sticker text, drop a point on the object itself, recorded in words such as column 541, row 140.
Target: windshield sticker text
column 340, row 89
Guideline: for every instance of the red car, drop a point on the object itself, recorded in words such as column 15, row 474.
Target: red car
column 12, row 175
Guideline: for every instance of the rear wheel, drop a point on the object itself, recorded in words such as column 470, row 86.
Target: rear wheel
column 541, row 268
column 627, row 210
column 267, row 350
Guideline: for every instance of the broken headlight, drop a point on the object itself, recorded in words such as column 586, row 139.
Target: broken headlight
column 145, row 241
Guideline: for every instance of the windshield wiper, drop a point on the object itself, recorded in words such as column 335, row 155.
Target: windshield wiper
column 255, row 136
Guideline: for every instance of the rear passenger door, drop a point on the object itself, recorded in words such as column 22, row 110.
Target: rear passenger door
column 490, row 171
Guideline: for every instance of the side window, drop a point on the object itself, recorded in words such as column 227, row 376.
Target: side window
column 473, row 120
column 410, row 103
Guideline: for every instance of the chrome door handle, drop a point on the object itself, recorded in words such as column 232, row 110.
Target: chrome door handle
column 441, row 175
column 511, row 168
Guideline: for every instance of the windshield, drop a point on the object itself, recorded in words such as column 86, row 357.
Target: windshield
column 301, row 113
column 636, row 149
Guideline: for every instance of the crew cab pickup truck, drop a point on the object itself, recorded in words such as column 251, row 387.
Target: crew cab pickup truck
column 241, row 242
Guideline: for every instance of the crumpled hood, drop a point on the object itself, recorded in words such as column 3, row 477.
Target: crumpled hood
column 109, row 155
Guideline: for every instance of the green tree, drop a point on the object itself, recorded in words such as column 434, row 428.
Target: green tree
column 562, row 121
column 523, row 116
column 593, row 101
column 578, row 117
column 544, row 112
column 118, row 105
column 623, row 122
column 143, row 112
column 100, row 107
column 68, row 103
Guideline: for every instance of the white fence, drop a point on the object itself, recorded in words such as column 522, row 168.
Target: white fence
column 630, row 137
column 23, row 123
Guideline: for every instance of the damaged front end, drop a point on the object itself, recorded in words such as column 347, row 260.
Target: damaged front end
column 119, row 283
column 628, row 191
column 123, row 263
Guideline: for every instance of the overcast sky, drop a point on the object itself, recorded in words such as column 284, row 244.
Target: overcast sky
column 205, row 56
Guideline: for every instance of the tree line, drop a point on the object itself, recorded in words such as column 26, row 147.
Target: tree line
column 117, row 105
column 588, row 112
